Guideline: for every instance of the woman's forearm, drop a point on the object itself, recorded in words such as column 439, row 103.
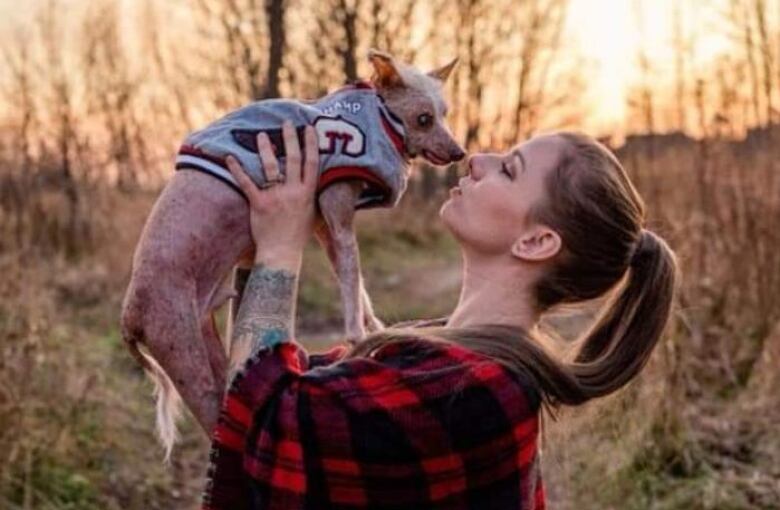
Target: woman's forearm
column 266, row 315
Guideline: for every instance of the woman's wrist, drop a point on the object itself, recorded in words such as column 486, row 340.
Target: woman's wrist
column 266, row 316
column 284, row 259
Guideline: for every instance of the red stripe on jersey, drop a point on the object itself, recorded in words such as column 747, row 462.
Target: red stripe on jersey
column 189, row 150
column 394, row 136
column 340, row 173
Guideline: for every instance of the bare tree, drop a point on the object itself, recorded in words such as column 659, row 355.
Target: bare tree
column 172, row 103
column 642, row 99
column 60, row 97
column 765, row 54
column 277, row 38
column 19, row 94
column 390, row 25
column 540, row 42
column 739, row 14
column 111, row 91
column 241, row 48
column 682, row 47
column 521, row 43
column 338, row 35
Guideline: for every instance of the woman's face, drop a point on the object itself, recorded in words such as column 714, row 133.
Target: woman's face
column 489, row 209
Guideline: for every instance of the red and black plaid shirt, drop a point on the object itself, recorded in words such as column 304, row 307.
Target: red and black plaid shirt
column 419, row 424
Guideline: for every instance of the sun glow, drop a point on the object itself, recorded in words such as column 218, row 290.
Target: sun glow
column 608, row 34
column 612, row 33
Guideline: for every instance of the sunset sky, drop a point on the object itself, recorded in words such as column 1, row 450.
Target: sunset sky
column 606, row 32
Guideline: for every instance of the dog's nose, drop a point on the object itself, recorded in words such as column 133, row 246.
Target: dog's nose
column 457, row 155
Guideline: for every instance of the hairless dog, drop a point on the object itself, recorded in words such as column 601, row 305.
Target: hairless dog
column 198, row 231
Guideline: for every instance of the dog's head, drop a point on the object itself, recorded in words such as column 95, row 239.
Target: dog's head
column 417, row 99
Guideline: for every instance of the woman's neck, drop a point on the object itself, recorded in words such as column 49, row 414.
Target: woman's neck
column 494, row 291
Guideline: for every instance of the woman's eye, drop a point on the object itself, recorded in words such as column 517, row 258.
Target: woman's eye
column 424, row 119
column 505, row 170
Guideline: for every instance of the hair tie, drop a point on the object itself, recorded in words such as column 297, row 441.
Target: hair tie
column 643, row 247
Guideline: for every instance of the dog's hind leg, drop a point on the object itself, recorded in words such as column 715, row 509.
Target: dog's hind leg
column 195, row 233
column 176, row 316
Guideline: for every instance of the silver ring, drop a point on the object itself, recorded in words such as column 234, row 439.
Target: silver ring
column 268, row 183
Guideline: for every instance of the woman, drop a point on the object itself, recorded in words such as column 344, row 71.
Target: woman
column 442, row 416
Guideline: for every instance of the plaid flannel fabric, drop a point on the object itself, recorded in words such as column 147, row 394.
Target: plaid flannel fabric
column 419, row 425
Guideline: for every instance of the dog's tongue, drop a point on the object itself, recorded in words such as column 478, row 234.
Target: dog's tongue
column 433, row 158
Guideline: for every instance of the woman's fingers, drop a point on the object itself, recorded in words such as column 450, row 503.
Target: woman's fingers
column 245, row 183
column 293, row 162
column 267, row 158
column 311, row 166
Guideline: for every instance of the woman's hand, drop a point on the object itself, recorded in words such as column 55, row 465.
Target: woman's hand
column 282, row 215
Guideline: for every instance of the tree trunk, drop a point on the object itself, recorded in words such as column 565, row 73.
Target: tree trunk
column 276, row 30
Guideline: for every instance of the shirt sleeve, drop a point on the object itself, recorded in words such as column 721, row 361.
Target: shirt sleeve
column 262, row 377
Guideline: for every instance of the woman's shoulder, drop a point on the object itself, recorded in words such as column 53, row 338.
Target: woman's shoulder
column 413, row 342
column 429, row 369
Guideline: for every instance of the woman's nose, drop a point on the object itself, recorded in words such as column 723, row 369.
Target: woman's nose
column 475, row 165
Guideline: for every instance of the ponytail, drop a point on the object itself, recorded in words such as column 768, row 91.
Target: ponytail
column 619, row 345
column 611, row 354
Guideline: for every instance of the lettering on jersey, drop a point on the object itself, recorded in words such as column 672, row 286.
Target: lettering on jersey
column 339, row 136
column 335, row 135
column 349, row 106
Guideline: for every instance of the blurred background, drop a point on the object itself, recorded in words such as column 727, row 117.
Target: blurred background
column 95, row 96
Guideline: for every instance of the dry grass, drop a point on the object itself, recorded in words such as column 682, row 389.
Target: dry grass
column 696, row 430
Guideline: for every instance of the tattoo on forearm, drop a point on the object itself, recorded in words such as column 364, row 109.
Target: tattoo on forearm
column 266, row 314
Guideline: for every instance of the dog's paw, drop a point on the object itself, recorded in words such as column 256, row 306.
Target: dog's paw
column 372, row 323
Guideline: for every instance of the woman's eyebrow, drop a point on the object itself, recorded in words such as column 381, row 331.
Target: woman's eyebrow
column 519, row 155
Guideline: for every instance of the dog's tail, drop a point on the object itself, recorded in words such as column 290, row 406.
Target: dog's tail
column 168, row 399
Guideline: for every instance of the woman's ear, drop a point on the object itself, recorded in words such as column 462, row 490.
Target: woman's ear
column 537, row 244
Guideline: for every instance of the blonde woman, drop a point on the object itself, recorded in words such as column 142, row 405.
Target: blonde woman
column 443, row 416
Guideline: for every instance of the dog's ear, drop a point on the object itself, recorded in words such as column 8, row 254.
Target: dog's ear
column 386, row 73
column 443, row 72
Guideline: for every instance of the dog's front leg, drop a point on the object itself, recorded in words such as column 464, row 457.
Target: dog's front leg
column 325, row 238
column 337, row 205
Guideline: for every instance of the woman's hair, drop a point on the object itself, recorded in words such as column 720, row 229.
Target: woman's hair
column 599, row 216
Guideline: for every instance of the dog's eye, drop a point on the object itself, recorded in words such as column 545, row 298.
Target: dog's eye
column 424, row 120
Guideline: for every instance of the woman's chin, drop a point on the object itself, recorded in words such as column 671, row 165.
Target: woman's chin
column 448, row 215
column 445, row 211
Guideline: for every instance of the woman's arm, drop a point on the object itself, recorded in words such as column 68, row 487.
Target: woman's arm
column 266, row 316
column 281, row 219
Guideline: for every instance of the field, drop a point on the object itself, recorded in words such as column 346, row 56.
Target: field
column 96, row 96
column 696, row 430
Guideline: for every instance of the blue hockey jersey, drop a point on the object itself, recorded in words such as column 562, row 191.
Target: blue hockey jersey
column 359, row 138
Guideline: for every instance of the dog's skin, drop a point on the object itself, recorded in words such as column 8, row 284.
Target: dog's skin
column 198, row 231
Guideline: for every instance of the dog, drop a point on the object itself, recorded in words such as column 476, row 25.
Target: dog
column 198, row 231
